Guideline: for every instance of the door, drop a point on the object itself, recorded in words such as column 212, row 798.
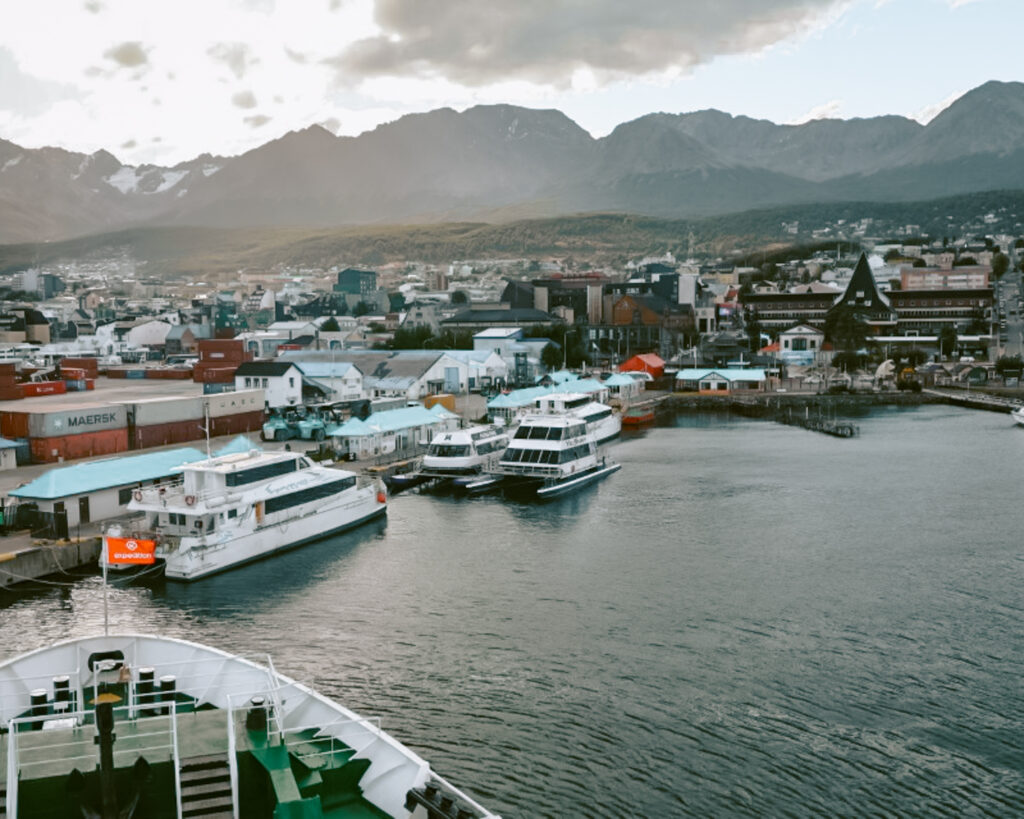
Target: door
column 83, row 510
column 451, row 379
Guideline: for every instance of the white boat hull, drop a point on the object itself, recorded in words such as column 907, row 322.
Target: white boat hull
column 191, row 562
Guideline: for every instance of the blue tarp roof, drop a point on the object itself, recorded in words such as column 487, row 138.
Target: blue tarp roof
column 108, row 473
column 518, row 398
column 619, row 380
column 237, row 444
column 388, row 421
column 6, row 444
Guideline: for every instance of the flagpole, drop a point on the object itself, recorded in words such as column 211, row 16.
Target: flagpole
column 106, row 618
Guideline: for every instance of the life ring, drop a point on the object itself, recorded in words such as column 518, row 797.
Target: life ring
column 137, row 494
column 381, row 497
column 190, row 500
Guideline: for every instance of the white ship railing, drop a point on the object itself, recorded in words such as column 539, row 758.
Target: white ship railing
column 19, row 760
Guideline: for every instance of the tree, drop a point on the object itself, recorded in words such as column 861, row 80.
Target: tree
column 551, row 356
column 460, row 297
column 947, row 340
column 361, row 309
column 330, row 326
column 1000, row 264
column 1009, row 363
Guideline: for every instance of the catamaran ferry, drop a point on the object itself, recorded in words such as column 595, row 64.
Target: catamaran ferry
column 240, row 507
column 552, row 453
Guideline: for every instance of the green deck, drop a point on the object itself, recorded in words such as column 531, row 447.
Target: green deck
column 308, row 778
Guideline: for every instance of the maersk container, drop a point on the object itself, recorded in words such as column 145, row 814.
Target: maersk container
column 146, row 411
column 234, row 402
column 75, row 420
column 85, row 445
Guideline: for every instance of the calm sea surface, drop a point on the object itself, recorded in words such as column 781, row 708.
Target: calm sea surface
column 747, row 619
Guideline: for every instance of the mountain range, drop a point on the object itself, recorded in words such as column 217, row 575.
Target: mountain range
column 501, row 162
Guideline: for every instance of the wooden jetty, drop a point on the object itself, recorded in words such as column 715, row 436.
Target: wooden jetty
column 791, row 416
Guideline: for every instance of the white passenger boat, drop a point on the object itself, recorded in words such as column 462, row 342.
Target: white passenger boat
column 464, row 457
column 236, row 508
column 146, row 726
column 603, row 422
column 1018, row 416
column 551, row 454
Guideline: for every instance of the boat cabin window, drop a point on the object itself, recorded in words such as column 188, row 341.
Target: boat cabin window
column 450, row 450
column 260, row 473
column 314, row 493
column 175, row 519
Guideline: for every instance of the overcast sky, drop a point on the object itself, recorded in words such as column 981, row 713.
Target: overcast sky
column 159, row 81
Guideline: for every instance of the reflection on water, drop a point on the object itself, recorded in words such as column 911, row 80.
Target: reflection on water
column 747, row 619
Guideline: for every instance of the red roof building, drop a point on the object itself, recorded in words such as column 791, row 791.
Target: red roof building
column 644, row 363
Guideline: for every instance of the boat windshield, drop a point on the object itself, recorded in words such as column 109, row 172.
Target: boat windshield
column 541, row 433
column 449, row 451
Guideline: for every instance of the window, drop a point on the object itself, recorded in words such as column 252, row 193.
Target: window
column 291, row 381
column 266, row 383
column 259, row 473
column 123, row 496
column 449, row 451
column 248, row 381
column 314, row 493
column 176, row 519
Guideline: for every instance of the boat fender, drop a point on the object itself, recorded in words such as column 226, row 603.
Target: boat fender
column 199, row 525
column 137, row 494
column 190, row 500
column 381, row 497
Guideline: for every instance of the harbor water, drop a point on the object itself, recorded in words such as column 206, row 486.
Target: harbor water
column 747, row 619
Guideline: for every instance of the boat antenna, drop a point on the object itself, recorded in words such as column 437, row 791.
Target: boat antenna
column 206, row 426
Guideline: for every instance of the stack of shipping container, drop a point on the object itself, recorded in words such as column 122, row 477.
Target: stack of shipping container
column 73, row 431
column 218, row 361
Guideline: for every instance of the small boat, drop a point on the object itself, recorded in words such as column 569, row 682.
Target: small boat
column 463, row 458
column 552, row 454
column 638, row 416
column 602, row 421
column 1018, row 416
column 145, row 726
column 232, row 509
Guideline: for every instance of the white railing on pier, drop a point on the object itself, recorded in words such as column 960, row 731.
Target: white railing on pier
column 12, row 770
column 177, row 758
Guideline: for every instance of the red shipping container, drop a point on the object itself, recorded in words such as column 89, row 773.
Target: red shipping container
column 236, row 424
column 14, row 424
column 90, row 383
column 174, row 432
column 71, row 447
column 175, row 374
column 222, row 350
column 72, row 373
column 11, row 393
column 8, row 380
column 8, row 369
column 115, row 373
column 43, row 388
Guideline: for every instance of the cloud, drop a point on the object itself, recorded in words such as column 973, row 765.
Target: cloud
column 93, row 7
column 244, row 99
column 827, row 110
column 257, row 121
column 235, row 56
column 127, row 55
column 478, row 42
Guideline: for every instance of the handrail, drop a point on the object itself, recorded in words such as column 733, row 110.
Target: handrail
column 177, row 757
column 232, row 761
column 12, row 769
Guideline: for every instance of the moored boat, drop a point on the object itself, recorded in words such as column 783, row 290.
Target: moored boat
column 463, row 458
column 1018, row 416
column 241, row 507
column 147, row 726
column 552, row 454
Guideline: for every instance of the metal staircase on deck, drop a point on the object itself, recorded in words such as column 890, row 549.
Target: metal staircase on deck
column 206, row 788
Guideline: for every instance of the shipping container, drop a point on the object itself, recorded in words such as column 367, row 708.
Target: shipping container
column 236, row 424
column 75, row 386
column 43, row 388
column 22, row 452
column 8, row 380
column 14, row 393
column 134, row 373
column 173, row 432
column 222, row 350
column 8, row 368
column 71, row 447
column 214, row 375
column 73, row 373
column 14, row 425
column 445, row 399
column 85, row 417
column 91, row 364
column 146, row 411
column 234, row 402
column 170, row 373
column 115, row 372
column 90, row 383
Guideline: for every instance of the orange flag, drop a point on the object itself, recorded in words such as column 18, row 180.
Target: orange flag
column 130, row 550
